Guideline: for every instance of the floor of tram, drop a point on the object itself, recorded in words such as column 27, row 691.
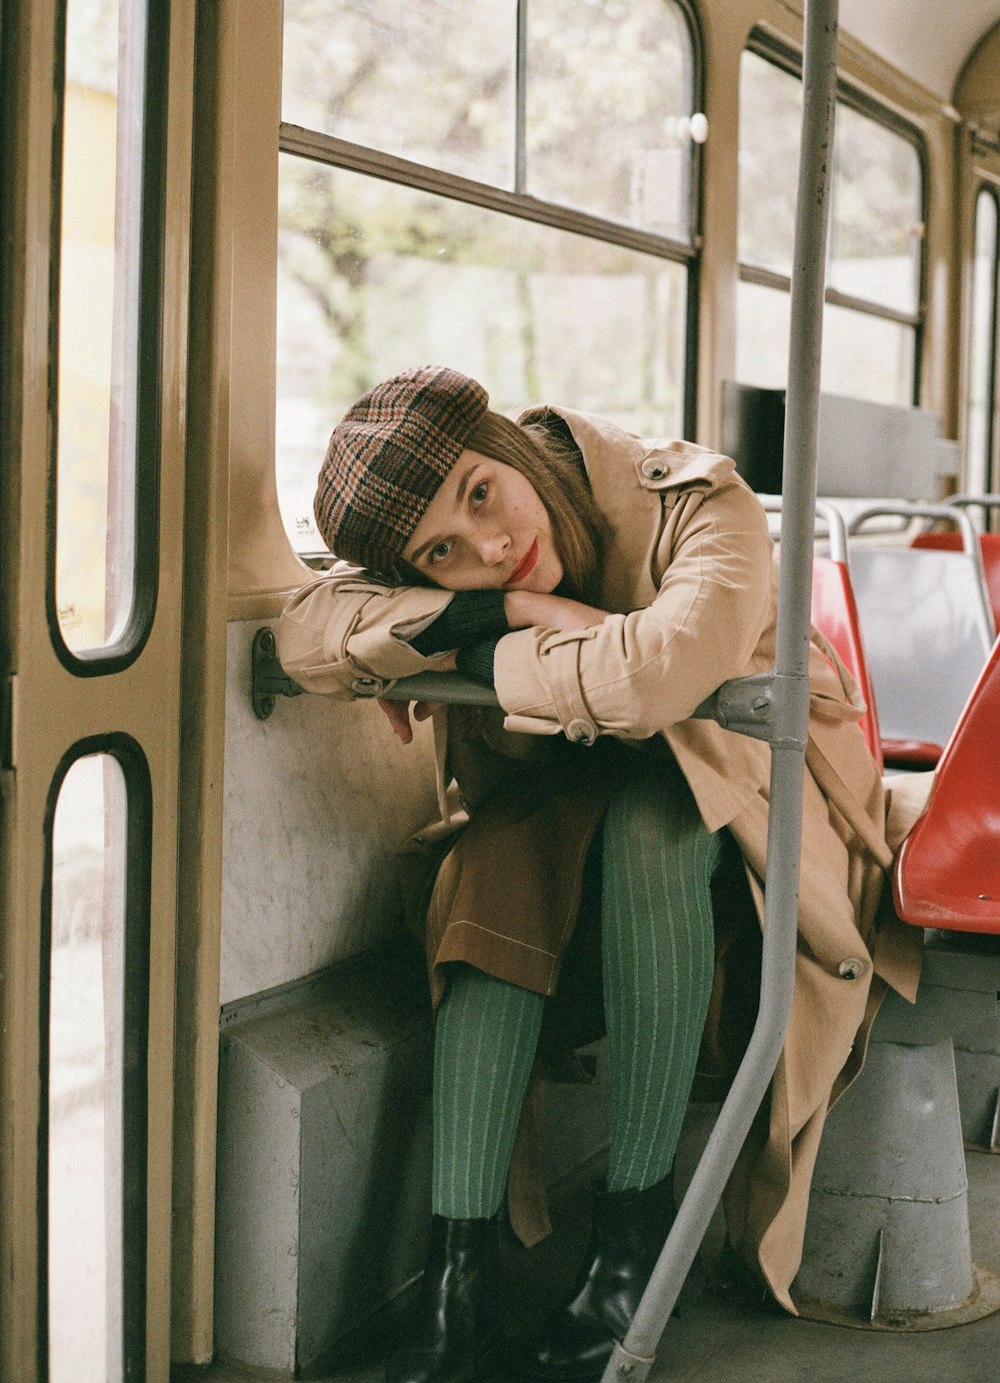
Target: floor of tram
column 720, row 1340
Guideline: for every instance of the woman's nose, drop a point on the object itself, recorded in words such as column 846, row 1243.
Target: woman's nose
column 493, row 548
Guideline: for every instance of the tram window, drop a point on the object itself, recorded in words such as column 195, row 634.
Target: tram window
column 105, row 510
column 770, row 138
column 872, row 361
column 86, row 1075
column 982, row 344
column 536, row 279
column 608, row 87
column 537, row 311
column 762, row 353
column 431, row 82
column 872, row 315
column 876, row 220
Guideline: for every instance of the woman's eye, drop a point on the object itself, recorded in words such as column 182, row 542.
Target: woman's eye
column 479, row 493
column 441, row 552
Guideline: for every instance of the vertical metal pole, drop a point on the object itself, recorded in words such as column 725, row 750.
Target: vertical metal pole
column 633, row 1358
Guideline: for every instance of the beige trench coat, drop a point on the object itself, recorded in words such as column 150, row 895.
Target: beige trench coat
column 691, row 587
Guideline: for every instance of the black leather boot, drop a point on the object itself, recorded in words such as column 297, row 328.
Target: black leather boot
column 628, row 1231
column 457, row 1321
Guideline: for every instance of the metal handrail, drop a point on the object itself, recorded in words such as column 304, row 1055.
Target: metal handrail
column 987, row 501
column 836, row 524
column 909, row 509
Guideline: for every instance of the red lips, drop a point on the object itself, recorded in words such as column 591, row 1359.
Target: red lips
column 525, row 565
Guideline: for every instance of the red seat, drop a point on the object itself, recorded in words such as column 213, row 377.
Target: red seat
column 989, row 544
column 947, row 872
column 835, row 614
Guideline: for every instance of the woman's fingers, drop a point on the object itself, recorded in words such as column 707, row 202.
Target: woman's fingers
column 398, row 712
column 398, row 715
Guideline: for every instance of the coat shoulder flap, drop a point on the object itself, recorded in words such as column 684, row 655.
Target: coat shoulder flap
column 666, row 465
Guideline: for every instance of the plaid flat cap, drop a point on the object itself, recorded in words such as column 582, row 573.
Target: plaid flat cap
column 386, row 459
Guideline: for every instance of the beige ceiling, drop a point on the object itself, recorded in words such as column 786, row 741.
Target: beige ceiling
column 930, row 40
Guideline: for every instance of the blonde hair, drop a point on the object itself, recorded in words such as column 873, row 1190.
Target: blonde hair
column 541, row 446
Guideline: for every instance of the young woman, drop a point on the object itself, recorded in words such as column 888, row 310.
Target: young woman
column 604, row 586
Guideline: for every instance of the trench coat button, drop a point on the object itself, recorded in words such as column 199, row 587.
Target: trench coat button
column 653, row 469
column 581, row 732
column 851, row 968
column 366, row 686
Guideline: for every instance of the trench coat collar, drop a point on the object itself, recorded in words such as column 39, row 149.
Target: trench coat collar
column 635, row 483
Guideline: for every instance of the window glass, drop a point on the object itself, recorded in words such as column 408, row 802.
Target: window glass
column 770, row 139
column 86, row 1076
column 98, row 321
column 864, row 357
column 433, row 82
column 867, row 357
column 375, row 277
column 874, row 248
column 875, row 227
column 762, row 321
column 607, row 87
column 982, row 347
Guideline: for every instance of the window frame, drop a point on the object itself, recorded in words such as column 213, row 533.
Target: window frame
column 781, row 55
column 136, row 937
column 986, row 188
column 359, row 158
column 145, row 464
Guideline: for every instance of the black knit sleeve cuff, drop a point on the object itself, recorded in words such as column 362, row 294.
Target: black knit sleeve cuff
column 475, row 661
column 469, row 617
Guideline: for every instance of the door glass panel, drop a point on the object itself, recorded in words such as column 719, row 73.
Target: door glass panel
column 85, row 1086
column 375, row 277
column 982, row 347
column 433, row 82
column 98, row 321
column 608, row 87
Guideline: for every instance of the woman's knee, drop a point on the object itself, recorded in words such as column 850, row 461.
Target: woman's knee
column 657, row 812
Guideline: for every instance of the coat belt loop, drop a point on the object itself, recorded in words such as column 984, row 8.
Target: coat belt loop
column 439, row 721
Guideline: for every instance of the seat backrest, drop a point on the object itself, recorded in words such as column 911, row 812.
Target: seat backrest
column 989, row 544
column 947, row 872
column 835, row 614
column 925, row 632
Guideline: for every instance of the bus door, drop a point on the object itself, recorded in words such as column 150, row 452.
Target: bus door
column 96, row 173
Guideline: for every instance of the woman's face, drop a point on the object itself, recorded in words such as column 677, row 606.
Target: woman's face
column 486, row 529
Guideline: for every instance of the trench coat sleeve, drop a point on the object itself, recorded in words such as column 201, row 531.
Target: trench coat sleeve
column 345, row 635
column 638, row 673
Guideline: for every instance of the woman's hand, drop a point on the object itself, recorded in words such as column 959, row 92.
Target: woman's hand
column 527, row 608
column 398, row 712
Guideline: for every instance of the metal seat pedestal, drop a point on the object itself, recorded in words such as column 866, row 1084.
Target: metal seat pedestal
column 977, row 1065
column 887, row 1239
